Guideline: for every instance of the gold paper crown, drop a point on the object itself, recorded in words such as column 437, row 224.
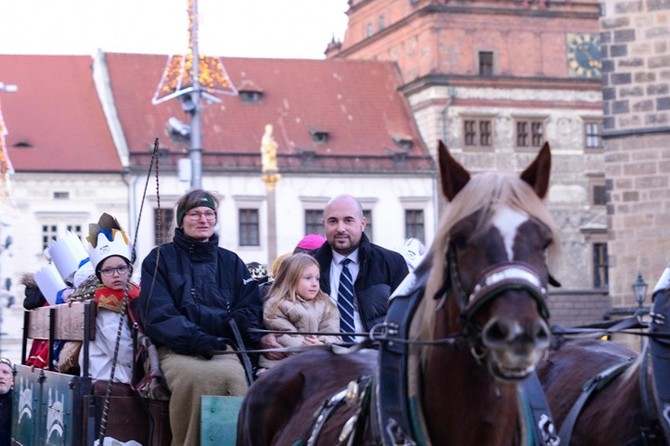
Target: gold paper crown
column 107, row 239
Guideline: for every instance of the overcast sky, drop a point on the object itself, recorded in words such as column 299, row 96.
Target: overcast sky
column 240, row 28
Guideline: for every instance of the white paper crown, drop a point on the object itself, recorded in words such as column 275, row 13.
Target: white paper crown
column 49, row 282
column 104, row 247
column 67, row 253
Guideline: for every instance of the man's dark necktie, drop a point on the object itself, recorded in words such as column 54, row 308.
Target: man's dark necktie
column 345, row 302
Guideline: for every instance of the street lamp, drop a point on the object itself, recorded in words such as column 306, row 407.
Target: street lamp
column 639, row 290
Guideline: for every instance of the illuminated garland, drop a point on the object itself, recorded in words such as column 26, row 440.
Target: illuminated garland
column 177, row 77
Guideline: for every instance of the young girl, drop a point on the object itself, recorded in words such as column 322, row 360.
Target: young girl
column 295, row 303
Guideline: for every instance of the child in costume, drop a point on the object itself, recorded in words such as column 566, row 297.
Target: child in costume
column 110, row 256
column 295, row 303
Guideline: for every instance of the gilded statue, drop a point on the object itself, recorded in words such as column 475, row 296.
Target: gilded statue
column 269, row 150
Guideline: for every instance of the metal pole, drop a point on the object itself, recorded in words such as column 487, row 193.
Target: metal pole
column 272, row 225
column 196, row 144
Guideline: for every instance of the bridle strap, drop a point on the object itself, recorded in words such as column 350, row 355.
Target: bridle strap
column 493, row 281
column 506, row 276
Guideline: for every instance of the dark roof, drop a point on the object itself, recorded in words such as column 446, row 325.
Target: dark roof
column 356, row 103
column 55, row 121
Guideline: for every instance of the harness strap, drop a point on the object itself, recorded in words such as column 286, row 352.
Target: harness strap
column 322, row 414
column 589, row 388
column 391, row 399
column 536, row 413
column 354, row 392
column 504, row 276
column 650, row 429
column 353, row 430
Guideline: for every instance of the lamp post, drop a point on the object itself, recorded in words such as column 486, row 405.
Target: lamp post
column 193, row 77
column 639, row 290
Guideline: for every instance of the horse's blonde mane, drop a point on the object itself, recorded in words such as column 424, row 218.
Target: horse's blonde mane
column 488, row 191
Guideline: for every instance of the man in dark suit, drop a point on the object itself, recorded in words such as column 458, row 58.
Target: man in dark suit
column 373, row 271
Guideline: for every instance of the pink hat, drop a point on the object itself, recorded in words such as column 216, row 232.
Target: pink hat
column 311, row 242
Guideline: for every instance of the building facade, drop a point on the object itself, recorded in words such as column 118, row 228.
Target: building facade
column 494, row 80
column 81, row 141
column 636, row 91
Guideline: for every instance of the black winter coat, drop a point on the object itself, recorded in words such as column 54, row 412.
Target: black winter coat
column 187, row 302
column 381, row 271
column 6, row 419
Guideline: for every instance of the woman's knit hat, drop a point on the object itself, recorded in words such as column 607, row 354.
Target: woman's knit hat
column 311, row 242
column 207, row 200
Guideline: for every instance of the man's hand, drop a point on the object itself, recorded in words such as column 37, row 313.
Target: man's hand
column 270, row 341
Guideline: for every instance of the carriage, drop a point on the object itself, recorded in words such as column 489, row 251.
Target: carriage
column 53, row 408
column 464, row 356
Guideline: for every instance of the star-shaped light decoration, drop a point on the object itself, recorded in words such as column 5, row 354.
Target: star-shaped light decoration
column 177, row 78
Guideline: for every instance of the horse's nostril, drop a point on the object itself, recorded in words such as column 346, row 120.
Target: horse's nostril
column 543, row 333
column 496, row 332
column 499, row 332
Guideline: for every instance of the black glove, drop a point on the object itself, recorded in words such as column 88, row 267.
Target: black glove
column 207, row 346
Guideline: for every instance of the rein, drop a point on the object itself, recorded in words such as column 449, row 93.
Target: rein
column 124, row 301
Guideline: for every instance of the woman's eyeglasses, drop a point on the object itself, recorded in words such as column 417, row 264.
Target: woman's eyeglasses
column 5, row 361
column 196, row 216
column 121, row 270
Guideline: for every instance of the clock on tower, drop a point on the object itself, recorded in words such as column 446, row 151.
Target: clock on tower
column 583, row 55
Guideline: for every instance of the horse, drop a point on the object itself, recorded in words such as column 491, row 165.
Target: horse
column 603, row 393
column 463, row 333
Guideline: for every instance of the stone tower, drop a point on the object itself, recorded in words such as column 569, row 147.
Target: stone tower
column 494, row 80
column 636, row 128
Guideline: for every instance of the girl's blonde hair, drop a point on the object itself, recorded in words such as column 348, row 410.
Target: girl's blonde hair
column 288, row 275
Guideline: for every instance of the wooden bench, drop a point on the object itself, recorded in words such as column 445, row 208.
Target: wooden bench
column 56, row 408
column 65, row 322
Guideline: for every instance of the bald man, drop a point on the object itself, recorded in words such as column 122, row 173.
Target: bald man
column 375, row 271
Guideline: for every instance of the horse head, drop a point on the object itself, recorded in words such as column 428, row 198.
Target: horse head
column 489, row 271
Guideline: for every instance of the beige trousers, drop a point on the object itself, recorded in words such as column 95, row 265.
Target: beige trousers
column 189, row 377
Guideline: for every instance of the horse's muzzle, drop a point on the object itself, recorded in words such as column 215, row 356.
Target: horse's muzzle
column 513, row 350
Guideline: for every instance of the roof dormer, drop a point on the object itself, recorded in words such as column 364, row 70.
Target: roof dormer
column 403, row 141
column 319, row 136
column 249, row 92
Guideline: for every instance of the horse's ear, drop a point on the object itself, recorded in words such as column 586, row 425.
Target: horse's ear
column 454, row 176
column 537, row 174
